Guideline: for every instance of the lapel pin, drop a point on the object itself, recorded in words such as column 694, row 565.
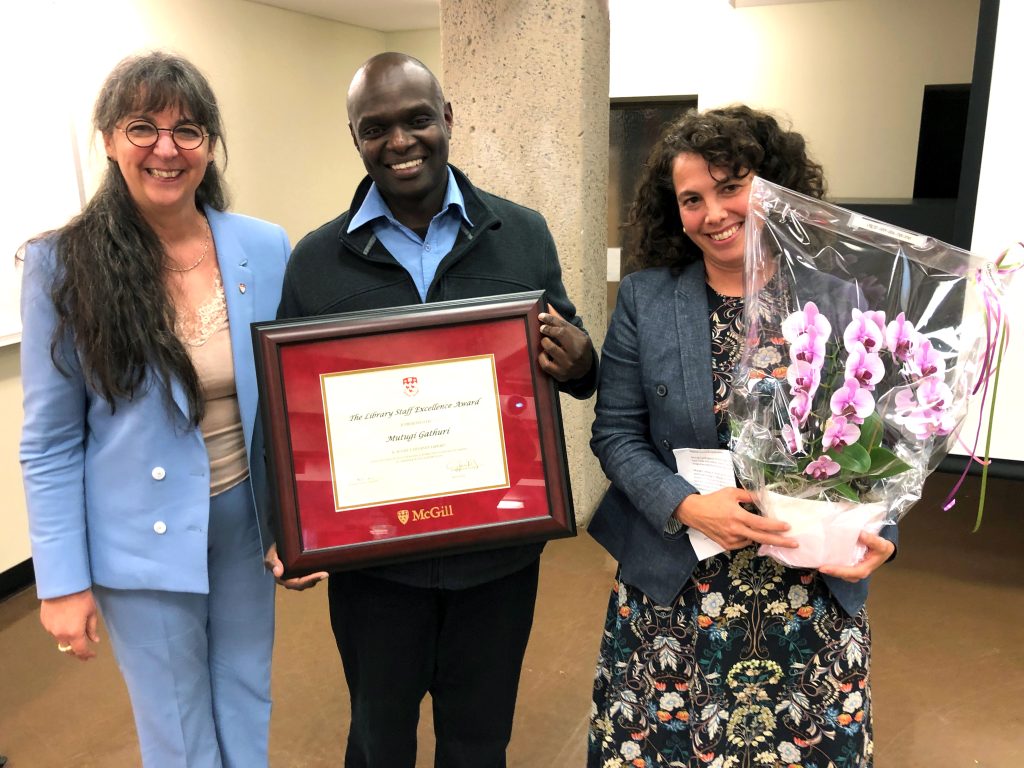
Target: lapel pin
column 241, row 287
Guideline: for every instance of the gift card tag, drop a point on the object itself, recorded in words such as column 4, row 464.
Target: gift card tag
column 858, row 221
column 707, row 470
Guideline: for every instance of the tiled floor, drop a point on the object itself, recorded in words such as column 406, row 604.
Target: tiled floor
column 948, row 622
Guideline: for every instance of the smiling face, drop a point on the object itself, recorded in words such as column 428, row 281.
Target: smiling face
column 162, row 179
column 713, row 208
column 401, row 126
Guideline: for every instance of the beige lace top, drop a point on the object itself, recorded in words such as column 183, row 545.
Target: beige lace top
column 205, row 335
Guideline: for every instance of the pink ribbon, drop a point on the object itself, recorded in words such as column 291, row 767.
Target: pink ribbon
column 997, row 338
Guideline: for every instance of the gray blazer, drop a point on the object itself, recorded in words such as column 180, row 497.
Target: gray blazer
column 655, row 395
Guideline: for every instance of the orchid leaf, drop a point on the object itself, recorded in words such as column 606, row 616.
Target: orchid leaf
column 846, row 490
column 853, row 459
column 885, row 463
column 871, row 432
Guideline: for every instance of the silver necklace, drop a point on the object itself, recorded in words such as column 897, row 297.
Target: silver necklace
column 202, row 256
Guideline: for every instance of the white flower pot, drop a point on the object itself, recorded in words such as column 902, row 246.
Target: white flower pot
column 827, row 531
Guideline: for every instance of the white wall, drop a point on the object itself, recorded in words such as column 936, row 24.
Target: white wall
column 279, row 76
column 848, row 73
column 998, row 224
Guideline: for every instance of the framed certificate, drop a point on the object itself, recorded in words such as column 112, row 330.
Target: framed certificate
column 411, row 432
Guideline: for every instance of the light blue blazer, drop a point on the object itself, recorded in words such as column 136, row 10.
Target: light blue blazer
column 123, row 500
column 655, row 395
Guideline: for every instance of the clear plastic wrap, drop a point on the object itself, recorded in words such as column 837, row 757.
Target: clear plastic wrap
column 863, row 345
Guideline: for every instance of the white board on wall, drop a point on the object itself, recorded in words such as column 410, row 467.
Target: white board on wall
column 41, row 194
column 40, row 188
column 998, row 224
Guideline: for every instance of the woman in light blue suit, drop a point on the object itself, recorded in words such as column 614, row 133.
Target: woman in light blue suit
column 140, row 401
column 734, row 659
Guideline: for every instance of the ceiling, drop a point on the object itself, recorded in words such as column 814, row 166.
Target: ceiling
column 752, row 3
column 398, row 15
column 385, row 15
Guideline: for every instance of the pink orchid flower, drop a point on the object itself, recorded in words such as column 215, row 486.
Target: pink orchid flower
column 864, row 366
column 839, row 433
column 852, row 401
column 803, row 377
column 944, row 423
column 800, row 407
column 866, row 328
column 800, row 321
column 916, row 411
column 901, row 338
column 929, row 422
column 809, row 347
column 822, row 468
column 905, row 401
column 794, row 440
column 925, row 361
column 932, row 392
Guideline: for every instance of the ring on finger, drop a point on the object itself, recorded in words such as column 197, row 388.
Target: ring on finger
column 63, row 648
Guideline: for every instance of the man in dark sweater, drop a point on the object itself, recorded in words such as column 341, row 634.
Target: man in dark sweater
column 419, row 231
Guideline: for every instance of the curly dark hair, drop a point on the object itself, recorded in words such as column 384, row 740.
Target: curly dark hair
column 737, row 138
column 109, row 289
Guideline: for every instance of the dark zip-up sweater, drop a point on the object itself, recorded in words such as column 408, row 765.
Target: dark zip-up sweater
column 508, row 249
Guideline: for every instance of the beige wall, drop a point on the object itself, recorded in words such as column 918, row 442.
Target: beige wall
column 848, row 73
column 14, row 546
column 424, row 44
column 280, row 78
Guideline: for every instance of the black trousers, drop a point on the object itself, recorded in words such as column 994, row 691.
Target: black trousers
column 463, row 646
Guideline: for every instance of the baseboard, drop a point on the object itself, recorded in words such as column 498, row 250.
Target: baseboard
column 16, row 579
column 1006, row 469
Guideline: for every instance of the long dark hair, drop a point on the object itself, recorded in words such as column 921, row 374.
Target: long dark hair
column 737, row 138
column 109, row 290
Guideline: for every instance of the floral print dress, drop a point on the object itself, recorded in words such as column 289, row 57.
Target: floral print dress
column 754, row 664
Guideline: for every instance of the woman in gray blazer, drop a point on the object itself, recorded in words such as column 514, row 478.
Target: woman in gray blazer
column 140, row 401
column 734, row 659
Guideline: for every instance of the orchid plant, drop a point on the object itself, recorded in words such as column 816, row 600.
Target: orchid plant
column 837, row 415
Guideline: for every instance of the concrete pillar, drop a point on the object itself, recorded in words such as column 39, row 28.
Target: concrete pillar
column 528, row 83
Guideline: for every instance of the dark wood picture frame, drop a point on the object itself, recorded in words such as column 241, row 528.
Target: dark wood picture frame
column 313, row 532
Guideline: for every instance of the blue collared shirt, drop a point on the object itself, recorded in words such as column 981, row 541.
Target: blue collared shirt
column 420, row 257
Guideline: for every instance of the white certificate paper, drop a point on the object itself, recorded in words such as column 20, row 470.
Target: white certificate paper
column 417, row 431
column 708, row 470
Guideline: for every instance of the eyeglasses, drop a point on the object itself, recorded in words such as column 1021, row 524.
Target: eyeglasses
column 143, row 133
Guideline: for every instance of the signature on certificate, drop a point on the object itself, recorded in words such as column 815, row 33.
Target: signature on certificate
column 462, row 466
